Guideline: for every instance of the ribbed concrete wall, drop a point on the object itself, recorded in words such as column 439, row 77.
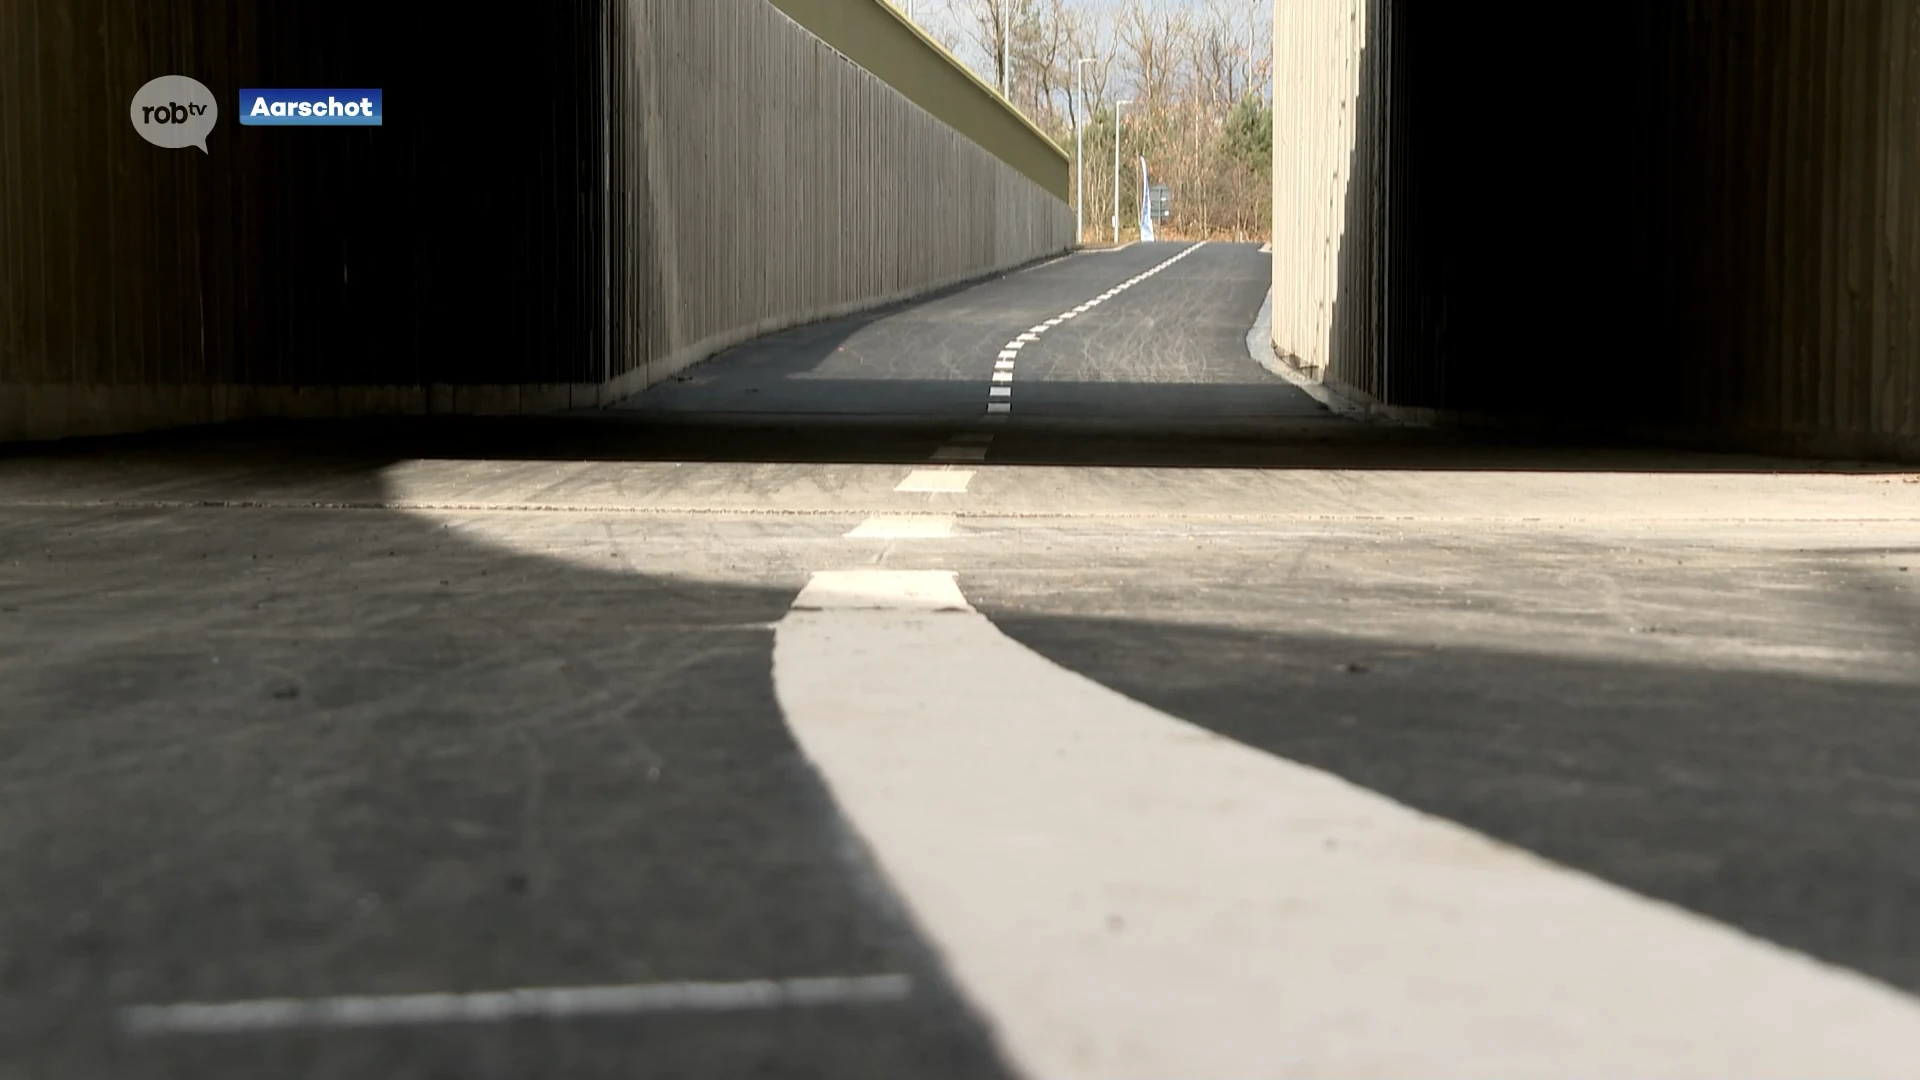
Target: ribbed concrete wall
column 650, row 181
column 1318, row 48
column 1694, row 220
column 835, row 191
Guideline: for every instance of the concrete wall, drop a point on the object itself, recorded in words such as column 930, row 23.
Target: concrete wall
column 667, row 178
column 837, row 191
column 878, row 37
column 1698, row 221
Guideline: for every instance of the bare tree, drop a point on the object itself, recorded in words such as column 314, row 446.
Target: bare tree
column 1196, row 71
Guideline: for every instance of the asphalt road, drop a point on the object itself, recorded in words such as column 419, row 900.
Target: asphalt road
column 374, row 710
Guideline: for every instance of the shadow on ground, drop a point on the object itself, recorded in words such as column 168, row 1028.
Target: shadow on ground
column 292, row 752
column 288, row 450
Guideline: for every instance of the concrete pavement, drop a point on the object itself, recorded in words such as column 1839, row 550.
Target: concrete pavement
column 364, row 710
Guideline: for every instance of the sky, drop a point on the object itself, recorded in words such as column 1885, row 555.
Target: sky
column 944, row 19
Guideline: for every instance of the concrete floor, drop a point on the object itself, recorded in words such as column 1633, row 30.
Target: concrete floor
column 387, row 709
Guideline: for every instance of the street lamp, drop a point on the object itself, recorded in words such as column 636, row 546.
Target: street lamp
column 1006, row 49
column 1080, row 146
column 1117, row 107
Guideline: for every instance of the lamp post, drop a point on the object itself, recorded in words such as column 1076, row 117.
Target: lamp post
column 1118, row 106
column 1080, row 148
column 1006, row 49
column 1253, row 38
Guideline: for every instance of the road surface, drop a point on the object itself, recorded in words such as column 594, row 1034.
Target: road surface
column 826, row 712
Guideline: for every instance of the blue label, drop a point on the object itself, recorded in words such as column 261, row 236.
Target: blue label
column 310, row 108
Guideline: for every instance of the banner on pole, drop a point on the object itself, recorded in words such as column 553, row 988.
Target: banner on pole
column 1146, row 203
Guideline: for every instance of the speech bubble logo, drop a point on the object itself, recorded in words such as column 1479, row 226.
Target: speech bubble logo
column 174, row 111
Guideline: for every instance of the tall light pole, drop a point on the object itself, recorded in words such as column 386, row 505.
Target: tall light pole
column 1117, row 107
column 1006, row 49
column 1253, row 36
column 1080, row 146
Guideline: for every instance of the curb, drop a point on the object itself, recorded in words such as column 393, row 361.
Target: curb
column 1260, row 347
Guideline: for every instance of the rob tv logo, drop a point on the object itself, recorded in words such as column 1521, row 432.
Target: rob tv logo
column 174, row 111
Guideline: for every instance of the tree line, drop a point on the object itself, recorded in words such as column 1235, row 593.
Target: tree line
column 1198, row 73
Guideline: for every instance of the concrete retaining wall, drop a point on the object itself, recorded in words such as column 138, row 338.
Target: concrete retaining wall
column 651, row 181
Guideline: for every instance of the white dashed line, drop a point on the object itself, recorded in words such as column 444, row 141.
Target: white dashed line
column 276, row 1014
column 997, row 409
column 1004, row 363
column 936, row 482
column 921, row 527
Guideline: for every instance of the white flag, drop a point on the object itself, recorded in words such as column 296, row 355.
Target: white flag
column 1146, row 203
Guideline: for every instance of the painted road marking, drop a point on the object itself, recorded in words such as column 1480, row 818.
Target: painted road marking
column 911, row 527
column 1008, row 354
column 1124, row 895
column 997, row 407
column 1003, row 376
column 360, row 1012
column 936, row 481
column 1030, row 335
column 1000, row 391
column 1003, row 365
column 881, row 590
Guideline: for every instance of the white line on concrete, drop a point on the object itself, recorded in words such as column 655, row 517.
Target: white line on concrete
column 960, row 453
column 911, row 527
column 1003, row 365
column 1000, row 391
column 1051, row 323
column 1124, row 895
column 216, row 1018
column 1008, row 354
column 1003, row 376
column 936, row 481
column 881, row 590
column 1030, row 335
column 997, row 407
